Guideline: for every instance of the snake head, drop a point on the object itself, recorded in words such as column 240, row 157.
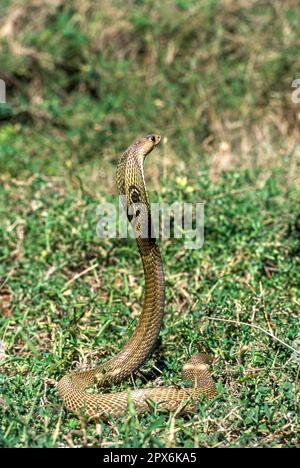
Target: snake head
column 145, row 145
column 155, row 139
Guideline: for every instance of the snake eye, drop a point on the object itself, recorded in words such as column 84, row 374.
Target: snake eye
column 153, row 138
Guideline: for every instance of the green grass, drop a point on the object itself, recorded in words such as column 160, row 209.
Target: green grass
column 58, row 321
column 82, row 85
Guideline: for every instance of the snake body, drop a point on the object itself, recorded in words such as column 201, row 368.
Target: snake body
column 72, row 387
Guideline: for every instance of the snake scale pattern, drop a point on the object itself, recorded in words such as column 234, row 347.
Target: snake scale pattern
column 73, row 386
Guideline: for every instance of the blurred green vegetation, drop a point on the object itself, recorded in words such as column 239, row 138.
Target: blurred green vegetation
column 84, row 79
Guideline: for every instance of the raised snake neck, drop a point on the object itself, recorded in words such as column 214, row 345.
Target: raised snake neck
column 131, row 186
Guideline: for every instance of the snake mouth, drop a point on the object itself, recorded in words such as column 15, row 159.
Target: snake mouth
column 154, row 138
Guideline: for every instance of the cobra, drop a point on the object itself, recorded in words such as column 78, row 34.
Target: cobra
column 72, row 387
